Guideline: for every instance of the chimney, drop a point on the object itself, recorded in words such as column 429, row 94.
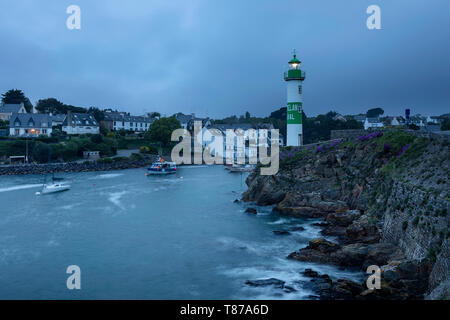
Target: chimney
column 69, row 118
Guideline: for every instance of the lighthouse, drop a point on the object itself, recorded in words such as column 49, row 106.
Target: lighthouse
column 294, row 78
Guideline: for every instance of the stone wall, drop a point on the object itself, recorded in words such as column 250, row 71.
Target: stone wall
column 74, row 166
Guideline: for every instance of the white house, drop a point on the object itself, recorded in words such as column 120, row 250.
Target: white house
column 249, row 143
column 80, row 123
column 124, row 121
column 433, row 120
column 6, row 110
column 30, row 125
column 372, row 123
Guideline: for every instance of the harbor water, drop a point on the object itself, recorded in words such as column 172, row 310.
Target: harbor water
column 159, row 237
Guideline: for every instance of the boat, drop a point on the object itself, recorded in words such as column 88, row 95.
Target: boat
column 54, row 187
column 242, row 168
column 162, row 167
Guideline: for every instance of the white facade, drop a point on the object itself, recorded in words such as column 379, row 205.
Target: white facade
column 294, row 131
column 136, row 125
column 81, row 129
column 368, row 124
column 30, row 125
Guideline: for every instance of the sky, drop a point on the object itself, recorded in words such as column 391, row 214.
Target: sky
column 218, row 58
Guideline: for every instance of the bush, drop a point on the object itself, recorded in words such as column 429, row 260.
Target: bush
column 144, row 149
column 117, row 159
column 97, row 138
column 136, row 156
column 41, row 152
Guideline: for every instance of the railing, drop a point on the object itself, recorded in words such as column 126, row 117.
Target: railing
column 294, row 74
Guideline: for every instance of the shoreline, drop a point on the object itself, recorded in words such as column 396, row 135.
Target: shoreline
column 26, row 169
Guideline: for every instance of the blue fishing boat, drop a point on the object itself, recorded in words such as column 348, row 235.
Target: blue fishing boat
column 162, row 167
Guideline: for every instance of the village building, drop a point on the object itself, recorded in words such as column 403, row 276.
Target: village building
column 372, row 123
column 30, row 125
column 6, row 110
column 115, row 121
column 80, row 123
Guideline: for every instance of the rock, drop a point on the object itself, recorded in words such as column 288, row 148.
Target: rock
column 281, row 232
column 346, row 289
column 318, row 250
column 343, row 219
column 266, row 282
column 289, row 289
column 441, row 292
column 237, row 201
column 251, row 210
column 323, row 245
column 362, row 230
column 299, row 212
column 297, row 229
column 296, row 205
column 264, row 190
column 311, row 273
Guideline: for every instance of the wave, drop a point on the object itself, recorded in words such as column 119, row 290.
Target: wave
column 280, row 221
column 106, row 176
column 114, row 197
column 20, row 187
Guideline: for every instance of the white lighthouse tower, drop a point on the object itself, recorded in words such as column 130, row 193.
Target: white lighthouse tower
column 294, row 78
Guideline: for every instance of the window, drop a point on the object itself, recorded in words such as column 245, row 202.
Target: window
column 44, row 131
column 300, row 89
column 17, row 132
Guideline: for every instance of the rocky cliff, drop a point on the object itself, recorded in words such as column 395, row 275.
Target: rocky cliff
column 384, row 196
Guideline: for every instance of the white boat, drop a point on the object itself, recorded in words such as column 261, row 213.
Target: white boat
column 242, row 168
column 54, row 187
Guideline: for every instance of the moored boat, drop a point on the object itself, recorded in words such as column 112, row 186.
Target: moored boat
column 242, row 168
column 162, row 167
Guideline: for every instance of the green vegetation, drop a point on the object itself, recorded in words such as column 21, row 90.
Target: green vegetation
column 44, row 149
column 374, row 113
column 318, row 128
column 161, row 130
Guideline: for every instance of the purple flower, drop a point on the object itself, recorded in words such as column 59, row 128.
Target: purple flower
column 387, row 147
column 319, row 149
column 335, row 143
column 371, row 136
column 405, row 147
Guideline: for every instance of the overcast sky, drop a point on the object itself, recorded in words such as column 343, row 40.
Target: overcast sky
column 217, row 57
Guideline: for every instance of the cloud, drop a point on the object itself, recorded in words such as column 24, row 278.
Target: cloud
column 227, row 57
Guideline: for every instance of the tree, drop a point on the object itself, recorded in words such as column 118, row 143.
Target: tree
column 41, row 152
column 52, row 105
column 16, row 96
column 161, row 130
column 247, row 115
column 155, row 115
column 280, row 114
column 374, row 113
